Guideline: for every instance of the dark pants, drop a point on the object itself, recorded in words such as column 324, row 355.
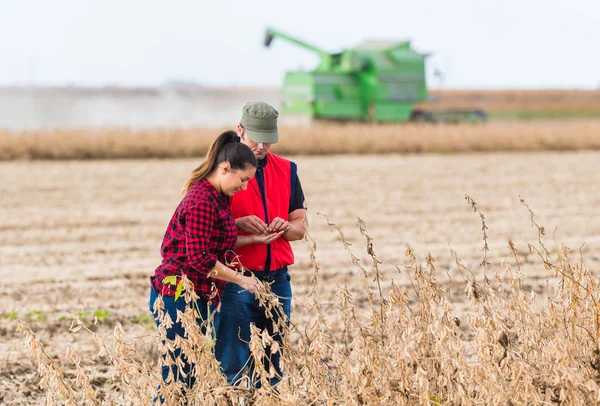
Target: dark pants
column 171, row 307
column 239, row 308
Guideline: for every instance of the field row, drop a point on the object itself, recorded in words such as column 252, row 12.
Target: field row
column 571, row 135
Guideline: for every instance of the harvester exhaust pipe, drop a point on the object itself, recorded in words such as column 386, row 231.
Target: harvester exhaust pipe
column 268, row 38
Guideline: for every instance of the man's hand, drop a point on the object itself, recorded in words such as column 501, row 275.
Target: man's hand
column 278, row 224
column 251, row 224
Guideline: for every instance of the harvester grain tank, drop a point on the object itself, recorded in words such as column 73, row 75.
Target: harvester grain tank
column 375, row 81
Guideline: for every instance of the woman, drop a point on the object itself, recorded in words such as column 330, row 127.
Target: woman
column 200, row 240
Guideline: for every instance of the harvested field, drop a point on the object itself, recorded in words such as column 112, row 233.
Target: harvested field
column 521, row 104
column 82, row 237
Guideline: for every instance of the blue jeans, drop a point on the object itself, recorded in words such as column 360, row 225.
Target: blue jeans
column 171, row 307
column 239, row 308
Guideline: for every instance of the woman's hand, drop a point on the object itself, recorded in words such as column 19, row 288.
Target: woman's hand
column 263, row 238
column 251, row 284
column 266, row 238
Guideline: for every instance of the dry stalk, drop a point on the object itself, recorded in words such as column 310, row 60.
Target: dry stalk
column 363, row 231
column 484, row 228
column 313, row 262
column 52, row 378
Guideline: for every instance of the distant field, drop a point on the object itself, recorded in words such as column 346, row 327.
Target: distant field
column 521, row 104
column 537, row 135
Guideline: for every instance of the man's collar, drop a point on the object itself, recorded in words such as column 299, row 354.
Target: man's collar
column 263, row 162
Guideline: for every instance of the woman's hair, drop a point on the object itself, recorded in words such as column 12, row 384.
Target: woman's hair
column 226, row 148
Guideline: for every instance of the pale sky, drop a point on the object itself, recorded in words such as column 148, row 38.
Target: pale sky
column 476, row 43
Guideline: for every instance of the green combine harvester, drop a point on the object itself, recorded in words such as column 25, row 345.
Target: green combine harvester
column 376, row 81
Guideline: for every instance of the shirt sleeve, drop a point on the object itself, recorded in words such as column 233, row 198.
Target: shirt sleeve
column 297, row 201
column 200, row 222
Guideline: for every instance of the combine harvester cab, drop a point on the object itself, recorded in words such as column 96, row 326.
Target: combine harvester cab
column 376, row 81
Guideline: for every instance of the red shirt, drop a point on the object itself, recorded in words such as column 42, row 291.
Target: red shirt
column 201, row 232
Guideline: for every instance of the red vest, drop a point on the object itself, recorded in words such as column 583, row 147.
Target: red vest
column 248, row 202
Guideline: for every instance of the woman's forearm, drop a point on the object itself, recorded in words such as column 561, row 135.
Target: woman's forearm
column 223, row 273
column 243, row 240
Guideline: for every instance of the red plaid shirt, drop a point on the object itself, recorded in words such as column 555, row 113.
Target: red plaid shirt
column 201, row 232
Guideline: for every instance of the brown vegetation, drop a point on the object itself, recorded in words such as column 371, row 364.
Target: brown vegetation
column 561, row 103
column 404, row 346
column 580, row 134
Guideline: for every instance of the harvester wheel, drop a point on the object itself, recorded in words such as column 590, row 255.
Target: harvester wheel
column 481, row 115
column 421, row 116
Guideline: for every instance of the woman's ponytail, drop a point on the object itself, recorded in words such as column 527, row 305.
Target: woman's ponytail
column 227, row 147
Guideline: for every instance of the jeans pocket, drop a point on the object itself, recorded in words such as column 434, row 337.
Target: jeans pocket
column 288, row 277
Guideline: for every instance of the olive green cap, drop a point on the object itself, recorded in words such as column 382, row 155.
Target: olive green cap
column 260, row 122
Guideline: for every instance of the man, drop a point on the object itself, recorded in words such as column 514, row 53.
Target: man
column 269, row 214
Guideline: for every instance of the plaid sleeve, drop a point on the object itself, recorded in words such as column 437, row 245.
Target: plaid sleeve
column 200, row 221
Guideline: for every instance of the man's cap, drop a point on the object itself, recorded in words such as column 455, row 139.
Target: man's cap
column 260, row 122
